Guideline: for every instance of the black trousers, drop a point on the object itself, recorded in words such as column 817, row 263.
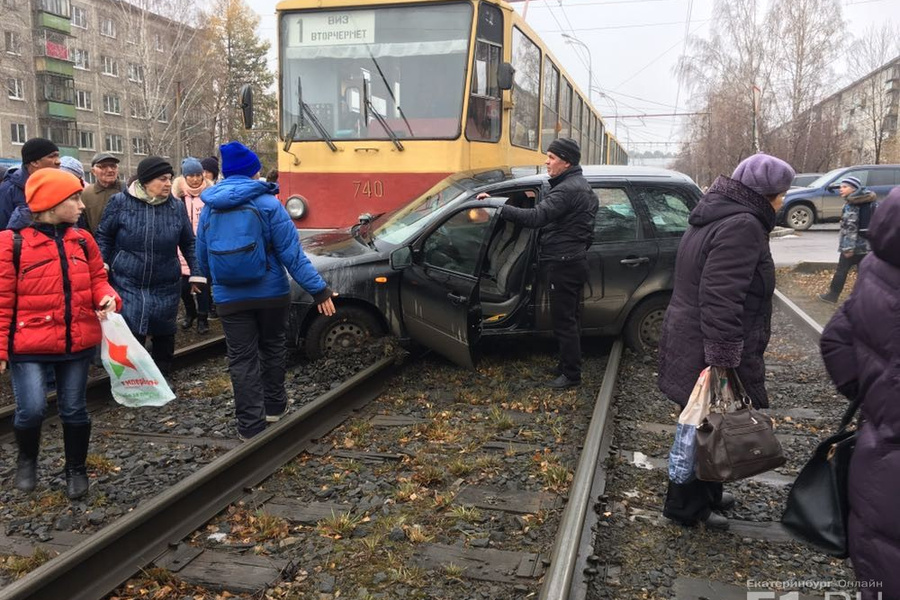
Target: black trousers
column 840, row 275
column 691, row 502
column 162, row 350
column 257, row 356
column 566, row 281
column 195, row 304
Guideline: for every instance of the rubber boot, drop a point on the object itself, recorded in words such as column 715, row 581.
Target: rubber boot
column 202, row 324
column 77, row 438
column 29, row 441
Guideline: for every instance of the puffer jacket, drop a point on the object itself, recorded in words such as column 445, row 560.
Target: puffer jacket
column 721, row 308
column 849, row 239
column 861, row 350
column 138, row 242
column 566, row 216
column 281, row 240
column 55, row 294
column 12, row 194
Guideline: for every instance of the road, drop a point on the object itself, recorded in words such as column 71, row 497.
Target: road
column 819, row 244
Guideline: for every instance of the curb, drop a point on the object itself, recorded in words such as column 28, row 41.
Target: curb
column 814, row 267
column 781, row 232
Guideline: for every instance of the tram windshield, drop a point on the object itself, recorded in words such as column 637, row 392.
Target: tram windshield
column 407, row 64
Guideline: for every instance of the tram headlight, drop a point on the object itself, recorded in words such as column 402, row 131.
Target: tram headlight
column 296, row 207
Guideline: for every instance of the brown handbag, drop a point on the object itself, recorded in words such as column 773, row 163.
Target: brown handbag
column 736, row 441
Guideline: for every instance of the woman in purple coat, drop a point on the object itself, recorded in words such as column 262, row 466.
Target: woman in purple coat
column 861, row 350
column 721, row 307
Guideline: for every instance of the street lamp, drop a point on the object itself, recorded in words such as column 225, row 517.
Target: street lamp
column 571, row 39
column 603, row 94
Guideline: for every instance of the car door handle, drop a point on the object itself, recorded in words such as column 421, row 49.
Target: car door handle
column 633, row 262
column 455, row 299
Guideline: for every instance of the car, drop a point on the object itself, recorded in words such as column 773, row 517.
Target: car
column 804, row 179
column 445, row 270
column 820, row 201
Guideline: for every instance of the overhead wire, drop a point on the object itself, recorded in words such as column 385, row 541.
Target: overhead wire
column 687, row 36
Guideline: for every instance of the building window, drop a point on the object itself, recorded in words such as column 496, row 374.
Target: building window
column 82, row 59
column 135, row 73
column 113, row 143
column 10, row 4
column 163, row 115
column 111, row 104
column 110, row 66
column 79, row 17
column 135, row 108
column 138, row 146
column 83, row 100
column 55, row 7
column 16, row 88
column 12, row 42
column 159, row 43
column 85, row 140
column 107, row 27
column 17, row 133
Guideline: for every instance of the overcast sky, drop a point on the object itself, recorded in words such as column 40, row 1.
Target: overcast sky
column 634, row 46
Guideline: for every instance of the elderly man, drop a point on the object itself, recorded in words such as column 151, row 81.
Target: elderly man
column 105, row 168
column 37, row 153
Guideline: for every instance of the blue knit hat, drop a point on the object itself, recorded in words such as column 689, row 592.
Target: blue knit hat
column 853, row 182
column 72, row 165
column 238, row 159
column 191, row 166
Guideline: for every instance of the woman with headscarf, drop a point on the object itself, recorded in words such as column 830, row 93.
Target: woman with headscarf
column 139, row 235
column 721, row 306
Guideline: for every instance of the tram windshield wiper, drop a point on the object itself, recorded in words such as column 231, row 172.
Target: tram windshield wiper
column 390, row 92
column 371, row 108
column 317, row 125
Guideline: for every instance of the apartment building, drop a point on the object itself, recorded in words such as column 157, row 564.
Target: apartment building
column 76, row 73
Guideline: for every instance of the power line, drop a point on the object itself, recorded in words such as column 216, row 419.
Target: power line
column 632, row 26
column 652, row 62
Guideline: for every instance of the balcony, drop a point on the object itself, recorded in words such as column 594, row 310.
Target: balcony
column 61, row 132
column 58, row 93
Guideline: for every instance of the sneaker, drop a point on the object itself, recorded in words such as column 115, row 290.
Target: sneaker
column 276, row 418
column 563, row 382
column 827, row 298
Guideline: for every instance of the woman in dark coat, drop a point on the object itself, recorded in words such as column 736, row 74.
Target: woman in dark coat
column 138, row 235
column 721, row 307
column 861, row 350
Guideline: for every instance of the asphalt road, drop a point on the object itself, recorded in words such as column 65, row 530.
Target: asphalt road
column 819, row 244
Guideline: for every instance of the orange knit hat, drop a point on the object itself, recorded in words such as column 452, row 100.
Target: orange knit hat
column 46, row 188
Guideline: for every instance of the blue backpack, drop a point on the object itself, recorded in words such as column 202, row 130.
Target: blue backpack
column 237, row 245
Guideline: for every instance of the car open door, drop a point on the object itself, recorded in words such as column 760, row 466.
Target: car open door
column 439, row 291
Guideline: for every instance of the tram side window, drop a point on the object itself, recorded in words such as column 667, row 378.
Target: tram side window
column 565, row 109
column 550, row 123
column 484, row 118
column 577, row 105
column 526, row 60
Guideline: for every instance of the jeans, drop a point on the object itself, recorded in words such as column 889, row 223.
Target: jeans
column 566, row 283
column 257, row 357
column 30, row 390
column 840, row 274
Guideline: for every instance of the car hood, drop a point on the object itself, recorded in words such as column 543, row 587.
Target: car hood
column 336, row 248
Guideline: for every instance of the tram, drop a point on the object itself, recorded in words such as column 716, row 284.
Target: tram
column 381, row 100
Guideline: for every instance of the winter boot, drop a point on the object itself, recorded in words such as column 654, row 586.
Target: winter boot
column 77, row 438
column 187, row 321
column 29, row 441
column 202, row 324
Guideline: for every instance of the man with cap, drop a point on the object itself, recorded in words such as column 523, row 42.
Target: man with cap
column 105, row 167
column 251, row 289
column 566, row 219
column 37, row 153
column 852, row 243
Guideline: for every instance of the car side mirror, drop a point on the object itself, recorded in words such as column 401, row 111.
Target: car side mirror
column 833, row 187
column 505, row 76
column 401, row 258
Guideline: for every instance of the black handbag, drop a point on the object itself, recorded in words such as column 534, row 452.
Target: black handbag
column 817, row 506
column 736, row 444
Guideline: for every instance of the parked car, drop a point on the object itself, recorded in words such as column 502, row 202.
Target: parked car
column 445, row 270
column 820, row 201
column 804, row 179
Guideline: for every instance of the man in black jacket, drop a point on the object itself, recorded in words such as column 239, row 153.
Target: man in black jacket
column 566, row 218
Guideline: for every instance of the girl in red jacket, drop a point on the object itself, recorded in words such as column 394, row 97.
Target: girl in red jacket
column 53, row 291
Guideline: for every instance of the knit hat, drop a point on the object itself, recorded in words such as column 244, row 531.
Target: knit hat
column 36, row 149
column 46, row 188
column 191, row 166
column 852, row 181
column 211, row 164
column 152, row 167
column 567, row 149
column 238, row 159
column 72, row 165
column 764, row 174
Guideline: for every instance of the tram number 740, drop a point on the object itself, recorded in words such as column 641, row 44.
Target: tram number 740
column 370, row 188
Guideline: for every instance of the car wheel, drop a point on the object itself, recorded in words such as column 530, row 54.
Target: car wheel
column 349, row 327
column 644, row 325
column 800, row 217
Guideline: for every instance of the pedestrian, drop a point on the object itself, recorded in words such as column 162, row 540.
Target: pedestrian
column 721, row 306
column 52, row 279
column 245, row 242
column 565, row 217
column 139, row 233
column 22, row 217
column 188, row 187
column 853, row 247
column 272, row 175
column 105, row 167
column 211, row 169
column 37, row 153
column 72, row 165
column 861, row 351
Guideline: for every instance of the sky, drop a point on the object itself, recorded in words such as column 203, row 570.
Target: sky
column 634, row 47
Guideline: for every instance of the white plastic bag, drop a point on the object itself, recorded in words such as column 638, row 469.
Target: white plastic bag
column 134, row 378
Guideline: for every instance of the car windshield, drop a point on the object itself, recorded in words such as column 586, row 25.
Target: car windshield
column 819, row 182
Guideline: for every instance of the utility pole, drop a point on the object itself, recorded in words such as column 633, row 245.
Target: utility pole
column 755, row 98
column 179, row 143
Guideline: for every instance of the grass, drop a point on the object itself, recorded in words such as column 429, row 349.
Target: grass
column 469, row 514
column 339, row 525
column 417, row 535
column 101, row 465
column 500, row 419
column 408, row 491
column 18, row 566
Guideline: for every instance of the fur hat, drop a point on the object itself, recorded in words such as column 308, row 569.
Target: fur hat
column 238, row 159
column 853, row 182
column 46, row 188
column 764, row 174
column 191, row 166
column 36, row 149
column 152, row 167
column 567, row 149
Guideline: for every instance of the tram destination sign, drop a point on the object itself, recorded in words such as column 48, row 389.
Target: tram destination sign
column 334, row 28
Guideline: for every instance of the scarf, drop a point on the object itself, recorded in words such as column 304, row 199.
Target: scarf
column 138, row 190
